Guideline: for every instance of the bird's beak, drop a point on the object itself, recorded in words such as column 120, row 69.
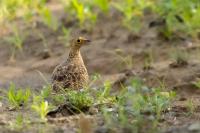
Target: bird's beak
column 87, row 40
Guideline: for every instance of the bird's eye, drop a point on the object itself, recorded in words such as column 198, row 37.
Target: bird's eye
column 78, row 40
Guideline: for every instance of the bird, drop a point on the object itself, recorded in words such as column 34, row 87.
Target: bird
column 72, row 73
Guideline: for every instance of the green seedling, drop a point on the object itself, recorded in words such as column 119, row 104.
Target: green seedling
column 132, row 11
column 180, row 57
column 79, row 100
column 48, row 18
column 83, row 12
column 94, row 78
column 9, row 10
column 59, row 99
column 134, row 103
column 181, row 16
column 126, row 59
column 190, row 106
column 65, row 36
column 18, row 124
column 148, row 60
column 102, row 4
column 197, row 84
column 18, row 97
column 79, row 8
column 41, row 107
column 17, row 39
column 103, row 95
column 46, row 92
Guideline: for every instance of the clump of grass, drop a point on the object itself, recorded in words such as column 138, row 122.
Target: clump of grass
column 17, row 39
column 83, row 100
column 148, row 60
column 103, row 96
column 190, row 106
column 197, row 84
column 126, row 59
column 137, row 106
column 18, row 97
column 179, row 57
column 48, row 18
column 19, row 123
column 104, row 5
column 45, row 93
column 65, row 35
column 82, row 11
column 79, row 100
column 132, row 11
column 181, row 16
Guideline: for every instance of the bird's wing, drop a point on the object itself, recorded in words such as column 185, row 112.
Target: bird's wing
column 65, row 75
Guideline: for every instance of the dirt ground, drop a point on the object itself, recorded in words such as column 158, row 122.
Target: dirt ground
column 108, row 37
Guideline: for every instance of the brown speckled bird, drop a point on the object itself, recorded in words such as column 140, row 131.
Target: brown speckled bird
column 72, row 73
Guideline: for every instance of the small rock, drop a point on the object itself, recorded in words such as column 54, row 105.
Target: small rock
column 45, row 54
column 194, row 127
column 103, row 130
column 93, row 110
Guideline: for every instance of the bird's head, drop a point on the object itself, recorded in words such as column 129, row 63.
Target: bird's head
column 79, row 42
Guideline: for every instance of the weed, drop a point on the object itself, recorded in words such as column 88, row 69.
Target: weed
column 46, row 92
column 126, row 59
column 18, row 97
column 79, row 100
column 83, row 12
column 48, row 18
column 102, row 4
column 41, row 107
column 65, row 37
column 103, row 96
column 197, row 84
column 180, row 57
column 148, row 60
column 132, row 11
column 17, row 39
column 19, row 123
column 190, row 106
column 59, row 99
column 137, row 105
column 180, row 16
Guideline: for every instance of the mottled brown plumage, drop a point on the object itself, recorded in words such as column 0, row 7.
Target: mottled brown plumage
column 72, row 73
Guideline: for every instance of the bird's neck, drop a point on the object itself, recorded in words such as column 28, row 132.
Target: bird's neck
column 75, row 55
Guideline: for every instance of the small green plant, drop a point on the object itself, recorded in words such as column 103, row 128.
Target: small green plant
column 197, row 84
column 80, row 100
column 190, row 106
column 126, row 59
column 41, row 107
column 48, row 18
column 136, row 106
column 59, row 99
column 65, row 36
column 17, row 39
column 104, row 95
column 148, row 60
column 132, row 11
column 181, row 16
column 46, row 91
column 18, row 97
column 180, row 57
column 102, row 4
column 19, row 123
column 83, row 12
